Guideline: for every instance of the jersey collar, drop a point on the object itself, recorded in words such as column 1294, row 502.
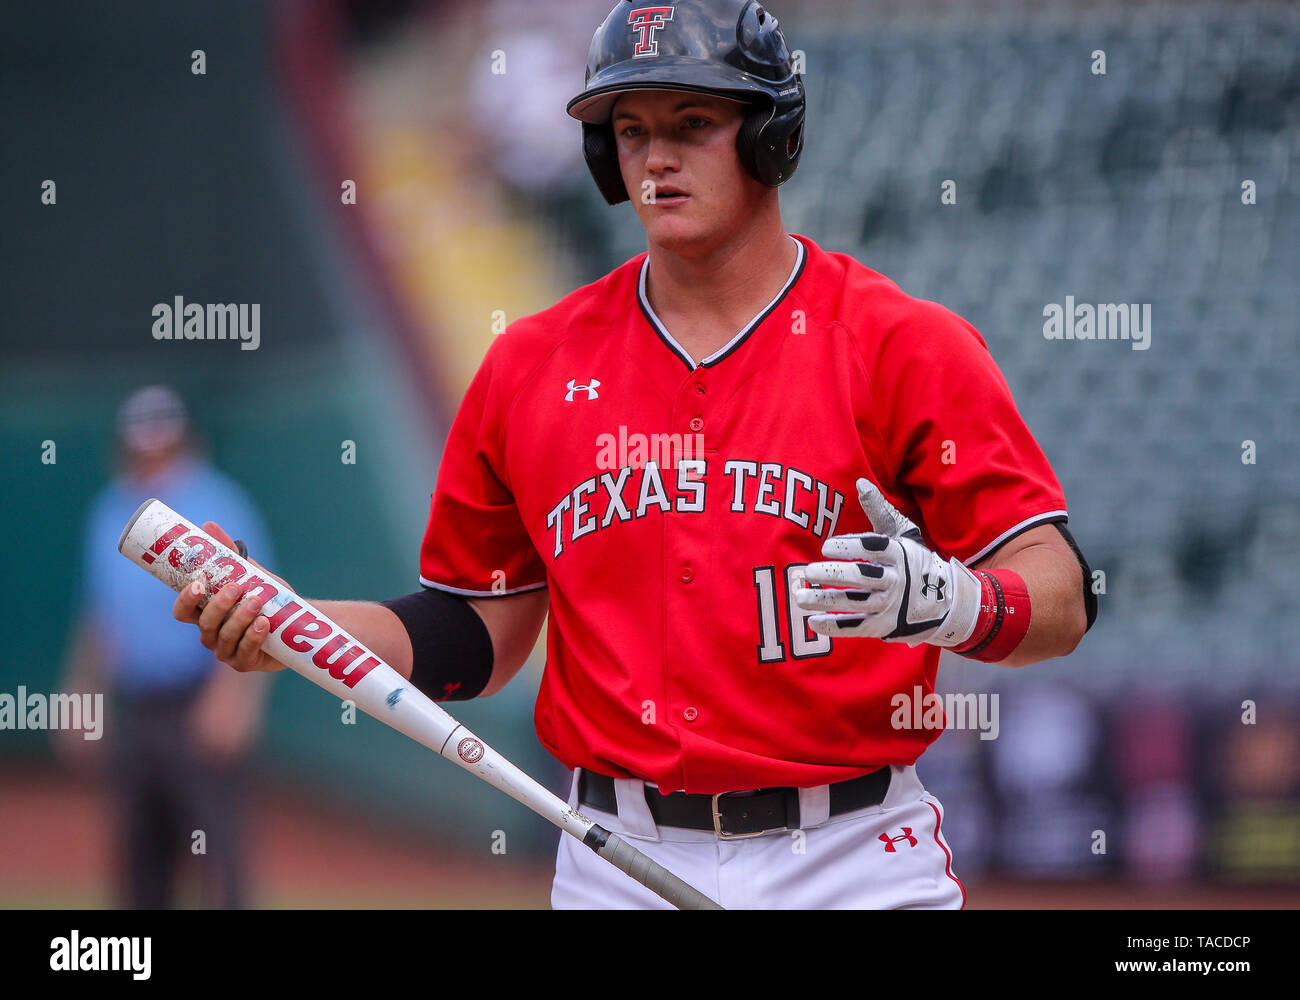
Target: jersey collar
column 735, row 342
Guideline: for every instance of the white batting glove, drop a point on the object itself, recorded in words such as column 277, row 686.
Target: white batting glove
column 897, row 589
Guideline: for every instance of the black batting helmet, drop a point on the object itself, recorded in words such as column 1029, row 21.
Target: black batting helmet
column 729, row 48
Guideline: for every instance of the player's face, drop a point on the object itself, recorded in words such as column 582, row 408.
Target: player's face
column 677, row 152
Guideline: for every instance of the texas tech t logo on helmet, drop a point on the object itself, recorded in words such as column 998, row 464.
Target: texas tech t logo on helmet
column 647, row 22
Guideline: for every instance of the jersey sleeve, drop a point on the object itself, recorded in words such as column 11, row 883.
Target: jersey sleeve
column 475, row 543
column 954, row 438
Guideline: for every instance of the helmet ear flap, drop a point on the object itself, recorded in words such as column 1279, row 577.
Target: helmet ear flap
column 769, row 146
column 601, row 153
column 747, row 142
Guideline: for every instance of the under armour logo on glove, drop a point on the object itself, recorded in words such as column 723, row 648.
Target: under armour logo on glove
column 887, row 585
column 935, row 586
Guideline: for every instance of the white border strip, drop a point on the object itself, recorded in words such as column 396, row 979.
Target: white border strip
column 745, row 331
column 481, row 593
column 1006, row 535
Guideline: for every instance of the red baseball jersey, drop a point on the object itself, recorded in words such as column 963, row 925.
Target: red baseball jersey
column 666, row 505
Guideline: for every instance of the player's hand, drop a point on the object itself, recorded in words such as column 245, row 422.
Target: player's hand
column 232, row 628
column 889, row 585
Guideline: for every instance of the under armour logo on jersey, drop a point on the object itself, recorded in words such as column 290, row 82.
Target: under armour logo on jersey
column 889, row 841
column 646, row 22
column 936, row 586
column 590, row 390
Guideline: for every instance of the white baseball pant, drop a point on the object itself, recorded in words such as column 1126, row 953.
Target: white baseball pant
column 889, row 856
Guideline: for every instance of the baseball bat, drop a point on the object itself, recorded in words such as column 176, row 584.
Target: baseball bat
column 178, row 552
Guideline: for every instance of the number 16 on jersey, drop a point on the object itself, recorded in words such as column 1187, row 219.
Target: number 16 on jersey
column 802, row 642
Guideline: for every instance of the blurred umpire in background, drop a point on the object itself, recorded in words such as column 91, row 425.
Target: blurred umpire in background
column 178, row 730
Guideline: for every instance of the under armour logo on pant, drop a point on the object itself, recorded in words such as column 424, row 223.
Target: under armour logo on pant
column 889, row 841
column 590, row 390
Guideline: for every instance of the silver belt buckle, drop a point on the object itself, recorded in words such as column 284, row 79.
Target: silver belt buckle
column 717, row 824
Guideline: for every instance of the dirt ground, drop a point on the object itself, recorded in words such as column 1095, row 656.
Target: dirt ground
column 57, row 852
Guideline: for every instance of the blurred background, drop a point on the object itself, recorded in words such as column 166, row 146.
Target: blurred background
column 392, row 181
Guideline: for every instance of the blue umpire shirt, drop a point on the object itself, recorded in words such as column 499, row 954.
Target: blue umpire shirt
column 146, row 650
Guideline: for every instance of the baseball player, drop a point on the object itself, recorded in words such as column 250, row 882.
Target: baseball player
column 757, row 486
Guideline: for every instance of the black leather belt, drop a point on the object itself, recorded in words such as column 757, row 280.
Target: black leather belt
column 735, row 814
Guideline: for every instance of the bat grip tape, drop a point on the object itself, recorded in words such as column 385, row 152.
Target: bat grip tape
column 648, row 872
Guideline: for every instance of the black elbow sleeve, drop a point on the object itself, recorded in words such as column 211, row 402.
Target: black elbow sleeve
column 451, row 647
column 1089, row 595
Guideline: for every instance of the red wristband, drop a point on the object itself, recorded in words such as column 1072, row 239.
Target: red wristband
column 1004, row 617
